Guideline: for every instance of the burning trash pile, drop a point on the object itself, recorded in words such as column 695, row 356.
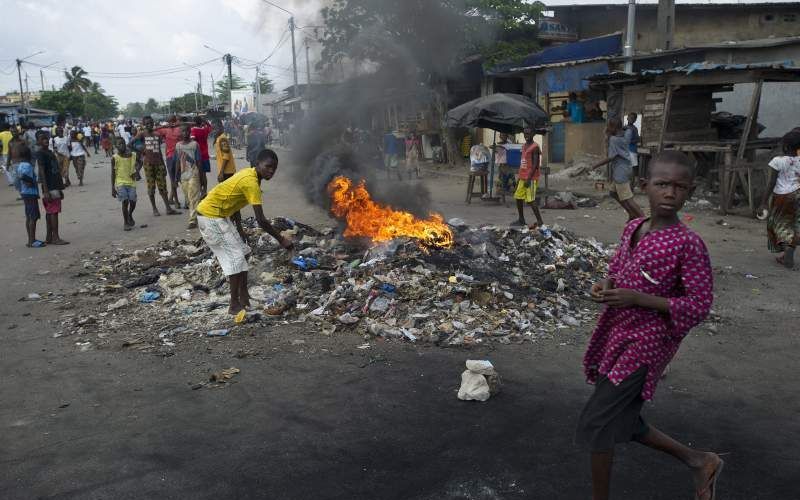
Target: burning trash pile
column 386, row 274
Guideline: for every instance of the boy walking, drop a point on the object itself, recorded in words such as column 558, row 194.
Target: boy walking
column 78, row 151
column 619, row 156
column 659, row 287
column 124, row 175
column 154, row 169
column 200, row 133
column 189, row 160
column 170, row 135
column 52, row 187
column 528, row 179
column 30, row 194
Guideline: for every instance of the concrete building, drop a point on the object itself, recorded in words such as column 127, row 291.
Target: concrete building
column 694, row 24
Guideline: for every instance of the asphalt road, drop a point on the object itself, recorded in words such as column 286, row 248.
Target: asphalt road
column 327, row 421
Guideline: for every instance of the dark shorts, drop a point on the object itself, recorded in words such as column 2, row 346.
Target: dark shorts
column 206, row 165
column 172, row 167
column 613, row 413
column 32, row 208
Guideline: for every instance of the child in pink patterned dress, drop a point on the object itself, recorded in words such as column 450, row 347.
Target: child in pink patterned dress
column 659, row 287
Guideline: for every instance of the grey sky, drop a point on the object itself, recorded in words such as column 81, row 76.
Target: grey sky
column 104, row 38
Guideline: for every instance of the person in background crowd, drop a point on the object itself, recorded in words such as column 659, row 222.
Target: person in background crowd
column 256, row 142
column 106, row 138
column 783, row 196
column 52, row 187
column 528, row 179
column 30, row 137
column 226, row 164
column 78, row 151
column 189, row 160
column 124, row 175
column 59, row 144
column 632, row 134
column 5, row 140
column 505, row 175
column 96, row 137
column 155, row 172
column 575, row 109
column 171, row 134
column 413, row 146
column 15, row 157
column 659, row 287
column 619, row 156
column 200, row 132
column 29, row 190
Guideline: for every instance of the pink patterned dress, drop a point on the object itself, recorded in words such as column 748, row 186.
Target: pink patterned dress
column 671, row 262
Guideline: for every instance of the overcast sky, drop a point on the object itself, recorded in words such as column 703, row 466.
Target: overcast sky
column 104, row 37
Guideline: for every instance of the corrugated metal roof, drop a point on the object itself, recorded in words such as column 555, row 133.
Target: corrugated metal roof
column 709, row 66
column 587, row 50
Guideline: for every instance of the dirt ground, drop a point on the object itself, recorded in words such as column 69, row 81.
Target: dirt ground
column 323, row 419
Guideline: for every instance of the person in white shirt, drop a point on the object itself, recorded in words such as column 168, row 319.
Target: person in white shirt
column 60, row 145
column 79, row 152
column 121, row 132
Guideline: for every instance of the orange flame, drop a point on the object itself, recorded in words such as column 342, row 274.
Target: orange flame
column 364, row 217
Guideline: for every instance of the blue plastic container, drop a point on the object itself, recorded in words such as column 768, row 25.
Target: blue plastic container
column 513, row 156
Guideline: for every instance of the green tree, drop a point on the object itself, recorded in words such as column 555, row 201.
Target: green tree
column 186, row 102
column 432, row 35
column 151, row 106
column 98, row 105
column 76, row 80
column 60, row 101
column 223, row 89
column 267, row 85
column 134, row 110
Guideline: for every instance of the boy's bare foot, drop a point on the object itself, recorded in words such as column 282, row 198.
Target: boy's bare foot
column 192, row 225
column 518, row 222
column 156, row 213
column 80, row 183
column 170, row 211
column 705, row 476
column 235, row 308
column 60, row 242
column 126, row 227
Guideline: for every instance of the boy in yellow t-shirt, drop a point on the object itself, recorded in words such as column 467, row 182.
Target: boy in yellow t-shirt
column 220, row 223
column 124, row 175
column 226, row 165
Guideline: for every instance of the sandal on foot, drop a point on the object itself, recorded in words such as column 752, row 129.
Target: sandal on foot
column 36, row 244
column 711, row 484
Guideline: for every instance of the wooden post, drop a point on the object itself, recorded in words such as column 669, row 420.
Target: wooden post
column 665, row 117
column 750, row 125
column 724, row 171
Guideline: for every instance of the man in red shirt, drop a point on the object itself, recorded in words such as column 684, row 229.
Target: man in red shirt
column 528, row 179
column 171, row 134
column 200, row 133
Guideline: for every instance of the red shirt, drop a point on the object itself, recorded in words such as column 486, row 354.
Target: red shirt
column 171, row 136
column 671, row 262
column 200, row 135
column 526, row 165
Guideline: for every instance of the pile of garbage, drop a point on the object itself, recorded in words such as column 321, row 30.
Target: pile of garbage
column 495, row 284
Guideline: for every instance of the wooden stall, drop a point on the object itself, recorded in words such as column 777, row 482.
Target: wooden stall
column 676, row 106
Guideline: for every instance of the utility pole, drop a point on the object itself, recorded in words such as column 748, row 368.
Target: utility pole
column 21, row 93
column 41, row 75
column 200, row 86
column 228, row 59
column 309, row 94
column 213, row 93
column 294, row 55
column 257, row 100
column 631, row 36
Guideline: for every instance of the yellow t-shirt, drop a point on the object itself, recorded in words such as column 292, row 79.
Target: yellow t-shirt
column 222, row 149
column 124, row 169
column 6, row 137
column 232, row 195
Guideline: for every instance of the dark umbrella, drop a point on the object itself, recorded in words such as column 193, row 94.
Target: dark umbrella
column 507, row 113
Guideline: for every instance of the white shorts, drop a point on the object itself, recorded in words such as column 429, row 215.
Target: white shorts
column 634, row 159
column 223, row 239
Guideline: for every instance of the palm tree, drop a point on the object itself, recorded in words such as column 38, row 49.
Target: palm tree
column 95, row 88
column 76, row 80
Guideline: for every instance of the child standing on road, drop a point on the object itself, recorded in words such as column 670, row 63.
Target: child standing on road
column 659, row 287
column 189, row 158
column 30, row 194
column 123, row 182
column 52, row 187
column 528, row 179
column 783, row 220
